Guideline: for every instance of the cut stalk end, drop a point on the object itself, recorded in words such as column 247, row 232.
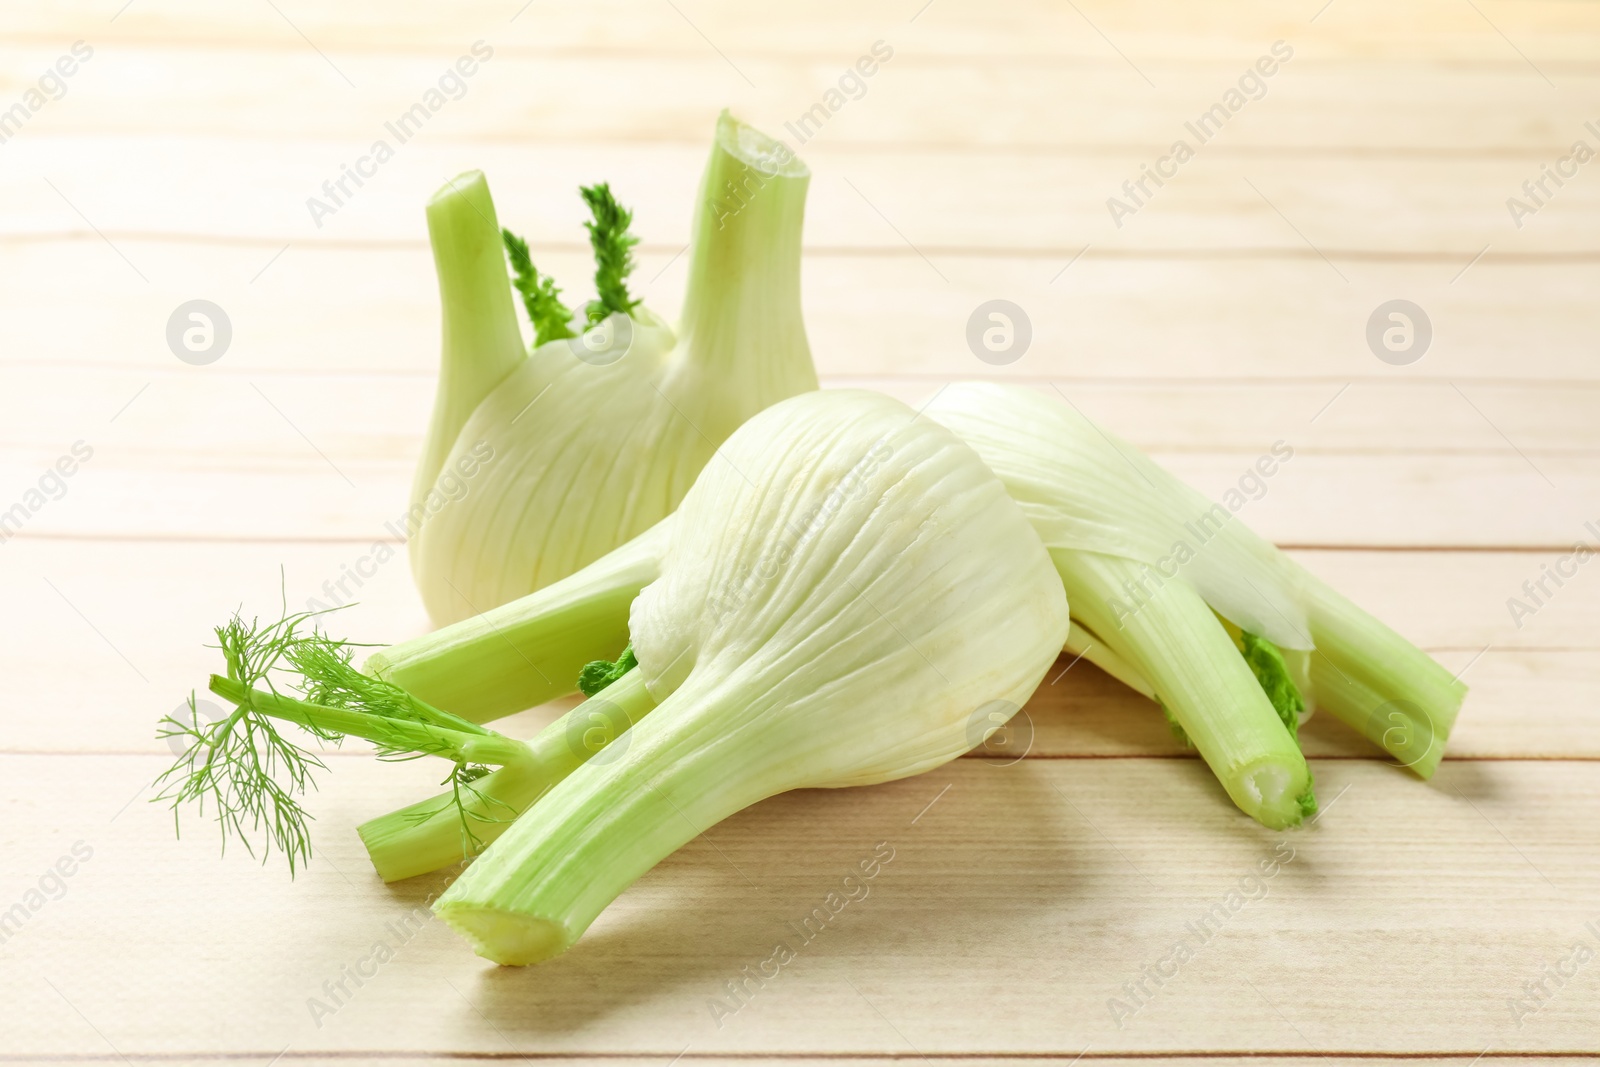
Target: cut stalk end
column 506, row 937
column 1274, row 793
column 749, row 146
column 1176, row 642
column 742, row 335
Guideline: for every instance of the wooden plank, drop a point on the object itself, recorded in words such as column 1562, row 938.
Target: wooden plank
column 1404, row 103
column 1557, row 34
column 1459, row 501
column 1038, row 204
column 1046, row 886
column 370, row 416
column 885, row 314
column 116, row 635
column 173, row 451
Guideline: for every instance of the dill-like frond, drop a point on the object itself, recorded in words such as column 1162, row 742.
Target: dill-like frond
column 551, row 318
column 253, row 776
column 613, row 252
column 250, row 773
column 487, row 808
column 461, row 782
column 327, row 678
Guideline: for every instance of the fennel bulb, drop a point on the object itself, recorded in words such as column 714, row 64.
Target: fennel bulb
column 1149, row 564
column 1234, row 687
column 599, row 431
column 870, row 586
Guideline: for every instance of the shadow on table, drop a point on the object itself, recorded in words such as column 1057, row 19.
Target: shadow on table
column 977, row 846
column 774, row 874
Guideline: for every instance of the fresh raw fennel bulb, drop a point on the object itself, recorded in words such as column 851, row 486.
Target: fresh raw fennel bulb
column 1111, row 518
column 598, row 431
column 839, row 595
column 1150, row 564
column 848, row 597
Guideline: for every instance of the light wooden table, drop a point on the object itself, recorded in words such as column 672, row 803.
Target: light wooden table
column 1228, row 312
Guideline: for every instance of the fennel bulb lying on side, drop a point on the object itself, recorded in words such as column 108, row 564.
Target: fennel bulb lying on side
column 598, row 431
column 847, row 597
column 1150, row 564
column 840, row 595
column 1234, row 686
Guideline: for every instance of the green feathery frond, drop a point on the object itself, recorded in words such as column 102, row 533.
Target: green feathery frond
column 552, row 320
column 328, row 678
column 237, row 762
column 254, row 776
column 463, row 790
column 613, row 252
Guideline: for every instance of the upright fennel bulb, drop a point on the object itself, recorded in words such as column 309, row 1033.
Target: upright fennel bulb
column 596, row 437
column 842, row 595
column 1149, row 564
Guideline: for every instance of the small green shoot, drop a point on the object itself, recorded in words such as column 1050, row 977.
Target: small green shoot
column 613, row 252
column 1174, row 726
column 598, row 674
column 1266, row 663
column 552, row 320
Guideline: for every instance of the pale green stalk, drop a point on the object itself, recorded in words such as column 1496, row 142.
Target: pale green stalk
column 742, row 328
column 552, row 873
column 428, row 836
column 1177, row 643
column 390, row 733
column 1360, row 671
column 481, row 341
column 1085, row 643
column 1380, row 684
column 528, row 651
